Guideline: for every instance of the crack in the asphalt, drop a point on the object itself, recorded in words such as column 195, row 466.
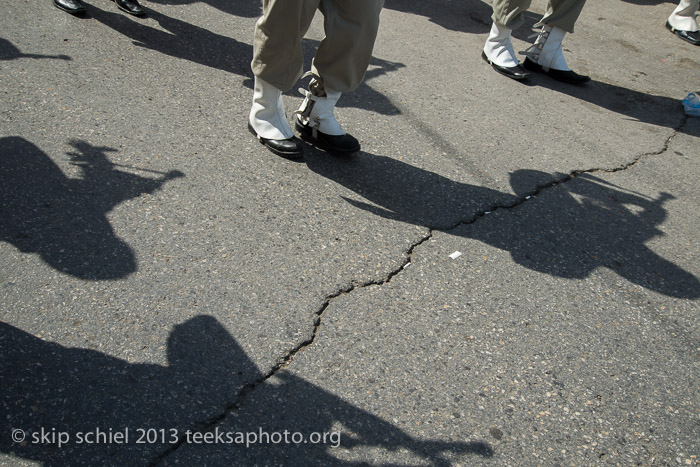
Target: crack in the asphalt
column 209, row 424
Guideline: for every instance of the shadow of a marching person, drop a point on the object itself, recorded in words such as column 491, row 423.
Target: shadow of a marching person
column 242, row 8
column 64, row 220
column 73, row 395
column 180, row 39
column 8, row 51
column 569, row 231
column 472, row 16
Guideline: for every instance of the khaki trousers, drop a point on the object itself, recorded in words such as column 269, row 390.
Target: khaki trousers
column 342, row 57
column 560, row 13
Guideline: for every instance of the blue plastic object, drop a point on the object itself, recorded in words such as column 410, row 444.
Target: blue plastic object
column 691, row 104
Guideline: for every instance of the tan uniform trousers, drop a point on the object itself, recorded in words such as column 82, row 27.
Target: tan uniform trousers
column 342, row 57
column 560, row 13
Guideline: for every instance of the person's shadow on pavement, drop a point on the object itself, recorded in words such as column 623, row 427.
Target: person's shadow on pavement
column 242, row 8
column 8, row 51
column 473, row 16
column 181, row 39
column 568, row 232
column 638, row 106
column 64, row 220
column 76, row 391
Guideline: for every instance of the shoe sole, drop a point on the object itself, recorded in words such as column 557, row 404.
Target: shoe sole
column 305, row 134
column 286, row 155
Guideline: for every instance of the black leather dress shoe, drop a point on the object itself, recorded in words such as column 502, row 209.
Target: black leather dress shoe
column 130, row 6
column 73, row 7
column 290, row 148
column 689, row 36
column 565, row 76
column 515, row 72
column 341, row 145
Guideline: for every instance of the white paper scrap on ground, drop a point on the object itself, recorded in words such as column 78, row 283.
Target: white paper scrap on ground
column 455, row 255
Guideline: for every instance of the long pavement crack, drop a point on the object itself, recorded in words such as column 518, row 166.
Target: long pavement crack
column 209, row 424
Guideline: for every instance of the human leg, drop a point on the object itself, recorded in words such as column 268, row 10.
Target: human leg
column 509, row 13
column 339, row 65
column 498, row 49
column 277, row 64
column 563, row 14
column 546, row 54
column 683, row 21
